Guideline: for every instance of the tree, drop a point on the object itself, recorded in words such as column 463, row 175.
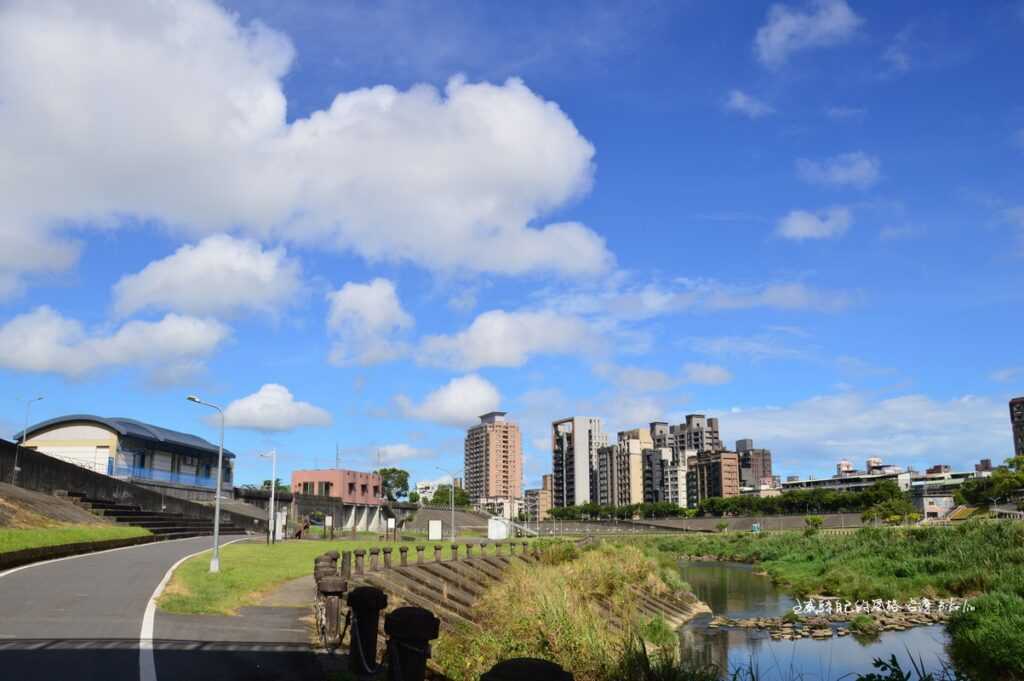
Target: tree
column 442, row 496
column 414, row 497
column 395, row 482
column 281, row 487
column 813, row 524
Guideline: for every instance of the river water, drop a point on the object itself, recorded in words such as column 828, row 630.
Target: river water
column 736, row 590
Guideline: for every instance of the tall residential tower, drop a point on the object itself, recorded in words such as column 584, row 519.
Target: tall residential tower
column 494, row 459
column 574, row 444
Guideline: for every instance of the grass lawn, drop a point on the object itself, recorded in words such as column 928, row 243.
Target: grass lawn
column 18, row 539
column 248, row 570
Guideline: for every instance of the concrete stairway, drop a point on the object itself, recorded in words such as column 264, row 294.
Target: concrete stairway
column 164, row 525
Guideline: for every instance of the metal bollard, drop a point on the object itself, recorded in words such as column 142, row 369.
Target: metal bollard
column 419, row 553
column 359, row 560
column 526, row 669
column 346, row 564
column 410, row 631
column 437, row 553
column 331, row 590
column 374, row 566
column 364, row 605
column 387, row 557
column 403, row 553
column 469, row 550
column 455, row 552
column 483, row 548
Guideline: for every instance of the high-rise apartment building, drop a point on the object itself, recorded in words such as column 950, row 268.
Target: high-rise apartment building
column 1017, row 424
column 494, row 459
column 574, row 444
column 755, row 464
column 712, row 474
column 538, row 501
column 697, row 433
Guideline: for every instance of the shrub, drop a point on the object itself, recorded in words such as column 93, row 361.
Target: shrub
column 812, row 524
column 987, row 641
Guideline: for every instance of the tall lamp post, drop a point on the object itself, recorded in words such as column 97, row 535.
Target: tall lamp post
column 24, row 436
column 215, row 560
column 273, row 488
column 452, row 496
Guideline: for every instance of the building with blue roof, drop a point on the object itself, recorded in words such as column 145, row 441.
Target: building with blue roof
column 177, row 463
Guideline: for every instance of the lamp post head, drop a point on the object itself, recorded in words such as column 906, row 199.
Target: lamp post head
column 192, row 398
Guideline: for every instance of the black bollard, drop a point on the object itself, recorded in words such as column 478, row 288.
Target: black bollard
column 526, row 669
column 437, row 553
column 403, row 552
column 410, row 631
column 374, row 563
column 386, row 552
column 364, row 604
column 331, row 590
column 419, row 553
column 346, row 564
column 469, row 550
column 359, row 560
column 455, row 552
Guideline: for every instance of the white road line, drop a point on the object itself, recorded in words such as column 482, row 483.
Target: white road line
column 91, row 553
column 147, row 664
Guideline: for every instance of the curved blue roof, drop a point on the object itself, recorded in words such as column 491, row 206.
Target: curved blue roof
column 134, row 429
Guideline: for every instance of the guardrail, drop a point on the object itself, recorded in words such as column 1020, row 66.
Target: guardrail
column 155, row 475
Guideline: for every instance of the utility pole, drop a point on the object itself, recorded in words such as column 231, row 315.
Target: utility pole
column 24, row 437
column 337, row 456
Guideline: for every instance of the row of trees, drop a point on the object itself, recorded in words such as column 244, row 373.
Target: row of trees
column 1003, row 485
column 792, row 502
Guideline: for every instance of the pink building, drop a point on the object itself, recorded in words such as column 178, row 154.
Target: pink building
column 352, row 487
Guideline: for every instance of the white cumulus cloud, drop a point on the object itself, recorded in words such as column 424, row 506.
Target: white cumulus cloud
column 855, row 169
column 787, row 30
column 364, row 319
column 801, row 224
column 706, row 374
column 175, row 113
column 905, row 429
column 507, row 339
column 457, row 403
column 219, row 275
column 45, row 341
column 273, row 408
column 748, row 105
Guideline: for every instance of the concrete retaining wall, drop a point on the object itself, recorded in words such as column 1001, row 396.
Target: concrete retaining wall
column 14, row 559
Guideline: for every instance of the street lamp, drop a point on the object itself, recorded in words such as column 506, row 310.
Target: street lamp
column 24, row 436
column 452, row 495
column 215, row 560
column 273, row 488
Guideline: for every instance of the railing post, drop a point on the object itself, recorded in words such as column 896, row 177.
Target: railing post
column 374, row 557
column 419, row 553
column 346, row 564
column 410, row 631
column 365, row 604
column 403, row 555
column 483, row 548
column 455, row 552
column 359, row 560
column 387, row 557
column 437, row 553
column 331, row 589
column 469, row 550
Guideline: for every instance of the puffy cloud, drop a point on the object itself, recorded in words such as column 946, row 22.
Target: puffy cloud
column 827, row 224
column 855, row 169
column 175, row 113
column 219, row 275
column 457, row 403
column 44, row 341
column 272, row 408
column 786, row 30
column 706, row 374
column 364, row 318
column 758, row 347
column 1006, row 375
column 908, row 429
column 636, row 378
column 507, row 339
column 748, row 105
column 620, row 301
column 389, row 454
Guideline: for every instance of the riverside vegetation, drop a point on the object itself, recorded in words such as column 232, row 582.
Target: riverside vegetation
column 982, row 560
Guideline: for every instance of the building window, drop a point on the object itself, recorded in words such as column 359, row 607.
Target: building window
column 363, row 489
column 351, row 488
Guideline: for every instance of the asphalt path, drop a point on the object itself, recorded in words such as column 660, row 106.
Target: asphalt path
column 81, row 618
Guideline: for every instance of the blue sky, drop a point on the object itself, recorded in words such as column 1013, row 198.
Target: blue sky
column 362, row 225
